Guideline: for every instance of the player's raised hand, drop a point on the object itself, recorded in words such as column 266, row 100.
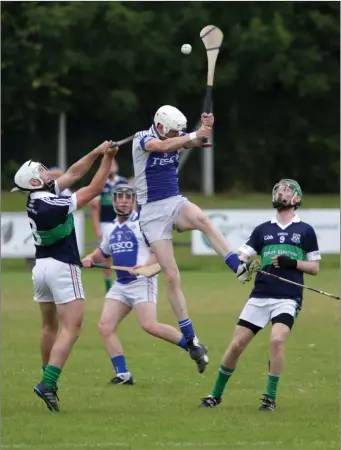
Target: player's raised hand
column 207, row 119
column 112, row 149
column 204, row 132
column 102, row 148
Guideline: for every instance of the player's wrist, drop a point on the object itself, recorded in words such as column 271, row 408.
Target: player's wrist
column 193, row 136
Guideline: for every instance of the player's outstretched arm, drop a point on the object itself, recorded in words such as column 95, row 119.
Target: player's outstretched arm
column 176, row 143
column 80, row 168
column 88, row 193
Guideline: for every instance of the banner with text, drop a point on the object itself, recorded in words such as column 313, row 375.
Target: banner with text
column 237, row 225
column 16, row 235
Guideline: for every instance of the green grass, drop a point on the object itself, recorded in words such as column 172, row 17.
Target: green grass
column 161, row 410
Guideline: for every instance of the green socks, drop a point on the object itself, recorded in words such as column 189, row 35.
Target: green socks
column 50, row 377
column 108, row 283
column 223, row 377
column 271, row 387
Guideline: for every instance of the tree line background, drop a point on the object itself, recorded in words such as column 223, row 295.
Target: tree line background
column 110, row 65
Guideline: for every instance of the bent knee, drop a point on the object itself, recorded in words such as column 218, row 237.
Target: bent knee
column 238, row 345
column 150, row 327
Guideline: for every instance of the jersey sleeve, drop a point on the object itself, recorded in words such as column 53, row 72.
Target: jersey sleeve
column 144, row 140
column 56, row 188
column 310, row 245
column 104, row 247
column 253, row 245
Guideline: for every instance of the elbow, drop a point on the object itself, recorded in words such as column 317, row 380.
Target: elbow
column 315, row 271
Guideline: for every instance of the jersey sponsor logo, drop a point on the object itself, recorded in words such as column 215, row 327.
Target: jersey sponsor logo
column 128, row 235
column 123, row 245
column 268, row 237
column 165, row 161
column 282, row 233
column 296, row 238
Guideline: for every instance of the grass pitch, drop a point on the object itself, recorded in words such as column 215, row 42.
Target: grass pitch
column 161, row 410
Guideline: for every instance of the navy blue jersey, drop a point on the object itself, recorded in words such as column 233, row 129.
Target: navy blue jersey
column 51, row 220
column 296, row 240
column 156, row 173
column 127, row 246
column 107, row 213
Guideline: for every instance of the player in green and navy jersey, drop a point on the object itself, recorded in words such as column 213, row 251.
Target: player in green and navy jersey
column 288, row 247
column 56, row 275
column 102, row 211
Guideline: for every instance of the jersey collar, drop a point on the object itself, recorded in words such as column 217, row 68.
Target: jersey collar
column 295, row 219
column 131, row 217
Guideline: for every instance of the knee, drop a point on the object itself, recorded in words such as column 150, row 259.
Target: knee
column 50, row 328
column 105, row 329
column 238, row 345
column 172, row 277
column 150, row 327
column 73, row 329
column 277, row 341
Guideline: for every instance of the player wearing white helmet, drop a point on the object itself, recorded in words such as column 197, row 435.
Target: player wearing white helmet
column 156, row 160
column 56, row 276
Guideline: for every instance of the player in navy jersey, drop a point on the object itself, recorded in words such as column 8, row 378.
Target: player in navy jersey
column 102, row 212
column 56, row 275
column 128, row 247
column 288, row 247
column 156, row 161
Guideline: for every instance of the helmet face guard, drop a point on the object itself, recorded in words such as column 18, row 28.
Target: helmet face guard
column 123, row 200
column 286, row 194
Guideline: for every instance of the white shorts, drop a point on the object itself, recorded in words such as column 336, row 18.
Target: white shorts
column 139, row 291
column 259, row 311
column 106, row 228
column 55, row 281
column 157, row 218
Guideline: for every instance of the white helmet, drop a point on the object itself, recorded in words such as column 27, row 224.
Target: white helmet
column 28, row 172
column 170, row 118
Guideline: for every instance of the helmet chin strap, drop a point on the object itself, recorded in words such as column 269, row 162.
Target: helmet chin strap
column 121, row 213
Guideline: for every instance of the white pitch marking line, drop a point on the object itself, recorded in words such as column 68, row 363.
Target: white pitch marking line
column 226, row 444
